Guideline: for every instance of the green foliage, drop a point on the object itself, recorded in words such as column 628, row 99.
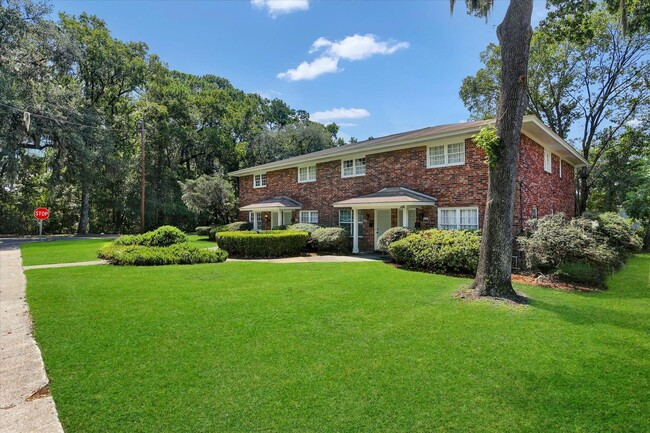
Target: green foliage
column 280, row 227
column 268, row 244
column 210, row 195
column 161, row 237
column 176, row 254
column 303, row 227
column 203, row 230
column 391, row 235
column 488, row 141
column 237, row 226
column 444, row 251
column 581, row 273
column 330, row 240
column 602, row 242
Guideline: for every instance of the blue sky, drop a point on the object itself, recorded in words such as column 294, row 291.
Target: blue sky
column 374, row 67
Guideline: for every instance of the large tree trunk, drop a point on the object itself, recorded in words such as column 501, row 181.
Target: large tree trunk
column 85, row 210
column 646, row 238
column 583, row 191
column 493, row 277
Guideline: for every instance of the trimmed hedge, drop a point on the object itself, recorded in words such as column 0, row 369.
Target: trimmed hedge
column 178, row 254
column 303, row 227
column 232, row 227
column 445, row 251
column 391, row 235
column 163, row 236
column 269, row 244
column 331, row 240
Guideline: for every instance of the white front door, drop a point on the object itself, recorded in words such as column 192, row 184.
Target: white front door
column 382, row 223
column 274, row 219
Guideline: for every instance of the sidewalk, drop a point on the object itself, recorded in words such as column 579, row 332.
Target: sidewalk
column 25, row 401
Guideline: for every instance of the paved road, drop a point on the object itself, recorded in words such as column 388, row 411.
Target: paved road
column 25, row 402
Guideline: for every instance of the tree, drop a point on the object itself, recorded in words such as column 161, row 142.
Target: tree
column 596, row 82
column 493, row 277
column 213, row 196
column 637, row 205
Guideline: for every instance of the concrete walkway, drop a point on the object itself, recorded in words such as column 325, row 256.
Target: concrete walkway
column 25, row 401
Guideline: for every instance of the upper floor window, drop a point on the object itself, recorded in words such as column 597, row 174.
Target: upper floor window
column 307, row 174
column 548, row 167
column 446, row 155
column 259, row 180
column 353, row 167
column 560, row 166
column 309, row 216
column 458, row 218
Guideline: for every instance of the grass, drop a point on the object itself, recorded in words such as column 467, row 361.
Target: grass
column 337, row 347
column 81, row 250
column 45, row 253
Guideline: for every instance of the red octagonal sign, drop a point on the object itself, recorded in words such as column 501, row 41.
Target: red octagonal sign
column 41, row 213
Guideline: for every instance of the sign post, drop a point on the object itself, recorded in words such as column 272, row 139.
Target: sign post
column 41, row 214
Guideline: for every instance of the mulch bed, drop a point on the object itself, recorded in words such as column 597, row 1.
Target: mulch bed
column 552, row 283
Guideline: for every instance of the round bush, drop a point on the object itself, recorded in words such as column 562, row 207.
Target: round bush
column 203, row 230
column 163, row 236
column 232, row 227
column 177, row 254
column 331, row 240
column 446, row 251
column 392, row 235
column 269, row 244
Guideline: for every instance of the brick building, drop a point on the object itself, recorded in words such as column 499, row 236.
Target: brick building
column 432, row 177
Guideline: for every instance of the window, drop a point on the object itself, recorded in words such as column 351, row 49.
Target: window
column 255, row 218
column 446, row 155
column 353, row 167
column 465, row 218
column 535, row 212
column 309, row 216
column 307, row 174
column 259, row 180
column 345, row 221
column 547, row 162
column 560, row 167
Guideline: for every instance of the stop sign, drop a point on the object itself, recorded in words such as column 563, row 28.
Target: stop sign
column 41, row 213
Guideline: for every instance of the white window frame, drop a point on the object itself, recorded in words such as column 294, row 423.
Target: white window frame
column 356, row 167
column 309, row 219
column 560, row 167
column 446, row 162
column 307, row 178
column 262, row 176
column 351, row 222
column 457, row 219
column 548, row 161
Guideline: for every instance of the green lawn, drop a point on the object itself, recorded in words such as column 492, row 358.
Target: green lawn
column 76, row 250
column 337, row 347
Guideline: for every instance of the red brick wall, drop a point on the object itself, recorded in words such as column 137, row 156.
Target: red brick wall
column 464, row 185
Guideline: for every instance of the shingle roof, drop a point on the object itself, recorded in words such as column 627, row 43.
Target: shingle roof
column 280, row 202
column 401, row 195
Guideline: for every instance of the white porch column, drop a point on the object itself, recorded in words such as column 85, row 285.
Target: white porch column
column 405, row 217
column 255, row 221
column 280, row 218
column 355, row 231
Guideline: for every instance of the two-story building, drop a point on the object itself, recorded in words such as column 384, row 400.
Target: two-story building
column 431, row 177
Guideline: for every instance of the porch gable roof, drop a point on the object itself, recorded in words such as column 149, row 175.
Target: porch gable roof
column 389, row 197
column 279, row 203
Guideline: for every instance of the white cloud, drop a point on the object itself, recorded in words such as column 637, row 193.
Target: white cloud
column 356, row 47
column 309, row 71
column 339, row 113
column 279, row 7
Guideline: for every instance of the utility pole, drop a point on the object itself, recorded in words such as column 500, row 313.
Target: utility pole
column 140, row 126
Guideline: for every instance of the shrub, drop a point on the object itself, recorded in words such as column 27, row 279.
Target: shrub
column 303, row 227
column 581, row 273
column 177, row 254
column 392, row 235
column 203, row 230
column 163, row 236
column 267, row 244
column 331, row 240
column 552, row 241
column 280, row 227
column 232, row 227
column 447, row 251
column 619, row 233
